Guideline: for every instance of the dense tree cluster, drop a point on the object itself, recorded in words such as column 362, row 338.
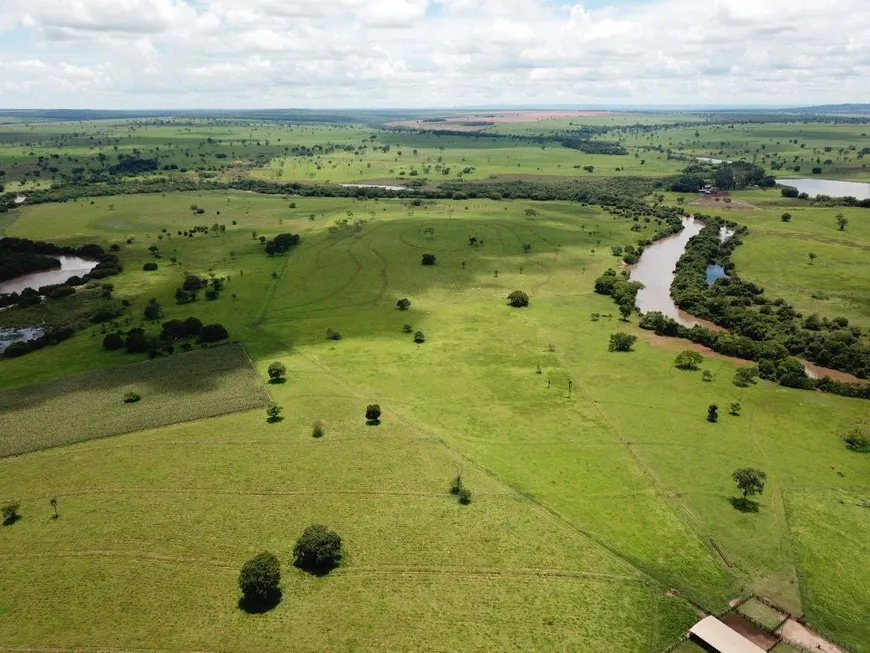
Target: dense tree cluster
column 281, row 243
column 137, row 341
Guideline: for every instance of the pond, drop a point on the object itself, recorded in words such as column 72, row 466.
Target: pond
column 832, row 188
column 405, row 188
column 707, row 159
column 714, row 273
column 8, row 336
column 70, row 266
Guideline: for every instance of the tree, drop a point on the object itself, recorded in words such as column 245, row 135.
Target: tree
column 419, row 338
column 428, row 259
column 132, row 397
column 10, row 512
column 213, row 333
column 150, row 266
column 813, row 257
column 332, row 335
column 403, row 304
column 407, row 328
column 318, row 549
column 857, row 440
column 113, row 341
column 273, row 412
column 713, row 413
column 688, row 360
column 260, row 581
column 736, row 407
column 707, row 376
column 527, row 248
column 318, row 430
column 625, row 310
column 464, row 496
column 373, row 413
column 518, row 299
column 745, row 376
column 277, row 371
column 785, row 217
column 749, row 481
column 842, row 222
column 621, row 342
column 193, row 326
column 153, row 310
column 53, row 503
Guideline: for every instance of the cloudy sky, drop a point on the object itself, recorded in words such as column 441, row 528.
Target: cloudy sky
column 418, row 53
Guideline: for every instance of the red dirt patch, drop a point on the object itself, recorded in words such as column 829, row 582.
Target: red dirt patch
column 750, row 631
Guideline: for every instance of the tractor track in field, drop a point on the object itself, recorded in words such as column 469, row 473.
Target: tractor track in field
column 247, row 493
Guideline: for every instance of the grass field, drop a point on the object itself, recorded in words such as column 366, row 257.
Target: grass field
column 183, row 387
column 603, row 514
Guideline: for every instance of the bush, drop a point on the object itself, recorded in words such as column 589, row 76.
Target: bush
column 10, row 512
column 193, row 326
column 149, row 267
column 318, row 430
column 131, row 397
column 736, row 407
column 213, row 333
column 745, row 376
column 456, row 485
column 713, row 413
column 707, row 376
column 277, row 371
column 464, row 496
column 428, row 259
column 332, row 335
column 518, row 299
column 260, row 580
column 621, row 342
column 419, row 338
column 153, row 311
column 373, row 413
column 318, row 549
column 273, row 412
column 857, row 440
column 688, row 360
column 113, row 341
column 407, row 328
column 403, row 304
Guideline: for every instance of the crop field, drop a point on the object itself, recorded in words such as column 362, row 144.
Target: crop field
column 603, row 516
column 195, row 385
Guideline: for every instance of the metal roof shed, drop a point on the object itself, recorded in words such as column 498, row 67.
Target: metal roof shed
column 714, row 636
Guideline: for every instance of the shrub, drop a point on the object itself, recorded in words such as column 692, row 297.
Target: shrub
column 153, row 310
column 688, row 360
column 456, row 485
column 707, row 376
column 113, row 341
column 464, row 496
column 745, row 376
column 736, row 407
column 277, row 371
column 273, row 412
column 428, row 259
column 318, row 549
column 419, row 338
column 131, row 397
column 857, row 440
column 518, row 299
column 621, row 342
column 10, row 512
column 407, row 328
column 373, row 412
column 785, row 217
column 213, row 333
column 150, row 266
column 403, row 304
column 260, row 580
column 332, row 335
column 318, row 430
column 713, row 413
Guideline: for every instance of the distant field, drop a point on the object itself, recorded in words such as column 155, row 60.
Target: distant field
column 180, row 388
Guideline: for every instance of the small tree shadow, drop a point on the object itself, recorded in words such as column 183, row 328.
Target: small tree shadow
column 743, row 505
column 319, row 571
column 277, row 381
column 11, row 520
column 373, row 422
column 259, row 606
column 274, row 420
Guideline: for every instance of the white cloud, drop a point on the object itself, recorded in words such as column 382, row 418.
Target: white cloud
column 287, row 53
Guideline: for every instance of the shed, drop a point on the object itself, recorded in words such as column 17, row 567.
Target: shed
column 714, row 636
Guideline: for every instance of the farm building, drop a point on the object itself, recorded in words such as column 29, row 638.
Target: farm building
column 714, row 636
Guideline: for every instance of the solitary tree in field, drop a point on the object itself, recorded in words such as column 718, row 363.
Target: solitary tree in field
column 527, row 248
column 813, row 257
column 403, row 304
column 518, row 299
column 53, row 502
column 273, row 412
column 688, row 360
column 277, row 371
column 10, row 512
column 419, row 337
column 153, row 311
column 621, row 341
column 373, row 413
column 260, row 582
column 749, row 481
column 713, row 413
column 786, row 217
column 428, row 259
column 736, row 407
column 318, row 549
column 842, row 222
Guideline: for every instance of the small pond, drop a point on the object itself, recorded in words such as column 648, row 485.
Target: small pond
column 707, row 159
column 714, row 273
column 814, row 187
column 8, row 336
column 405, row 188
column 70, row 266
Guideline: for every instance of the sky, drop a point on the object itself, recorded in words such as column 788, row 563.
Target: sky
column 174, row 54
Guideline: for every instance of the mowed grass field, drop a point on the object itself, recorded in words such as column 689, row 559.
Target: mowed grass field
column 180, row 388
column 589, row 505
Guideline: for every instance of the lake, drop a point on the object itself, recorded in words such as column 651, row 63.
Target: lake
column 813, row 187
column 8, row 336
column 70, row 266
column 410, row 190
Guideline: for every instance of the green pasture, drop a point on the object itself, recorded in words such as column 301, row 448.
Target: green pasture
column 591, row 500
